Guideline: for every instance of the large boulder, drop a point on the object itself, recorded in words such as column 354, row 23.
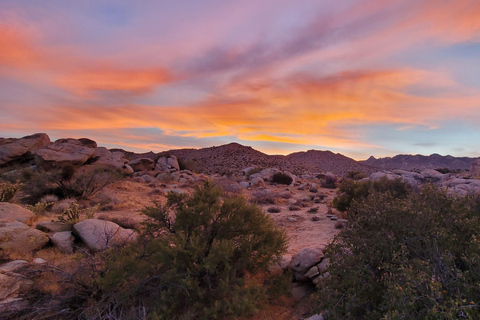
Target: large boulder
column 303, row 261
column 13, row 212
column 475, row 168
column 99, row 235
column 18, row 237
column 142, row 164
column 169, row 163
column 21, row 149
column 62, row 151
column 103, row 156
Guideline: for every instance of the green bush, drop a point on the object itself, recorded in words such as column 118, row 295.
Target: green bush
column 411, row 257
column 199, row 258
column 355, row 175
column 350, row 190
column 282, row 178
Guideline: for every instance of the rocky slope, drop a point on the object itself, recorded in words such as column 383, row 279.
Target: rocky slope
column 233, row 157
column 419, row 162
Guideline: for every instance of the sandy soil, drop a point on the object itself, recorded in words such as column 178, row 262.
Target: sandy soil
column 126, row 199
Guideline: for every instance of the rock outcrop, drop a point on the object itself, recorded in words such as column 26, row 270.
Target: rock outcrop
column 14, row 212
column 17, row 236
column 475, row 168
column 62, row 151
column 22, row 149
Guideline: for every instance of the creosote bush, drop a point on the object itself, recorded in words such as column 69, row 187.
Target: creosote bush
column 282, row 178
column 415, row 256
column 201, row 257
column 350, row 190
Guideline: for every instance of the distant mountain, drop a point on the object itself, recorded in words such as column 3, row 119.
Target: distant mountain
column 233, row 157
column 412, row 162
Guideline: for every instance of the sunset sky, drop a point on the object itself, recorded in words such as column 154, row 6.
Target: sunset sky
column 357, row 77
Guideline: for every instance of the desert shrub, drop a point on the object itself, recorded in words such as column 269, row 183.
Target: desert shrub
column 294, row 208
column 197, row 259
column 412, row 257
column 8, row 190
column 273, row 209
column 355, row 175
column 191, row 165
column 72, row 214
column 329, row 181
column 264, row 197
column 282, row 178
column 40, row 207
column 350, row 190
column 85, row 185
column 313, row 210
column 68, row 182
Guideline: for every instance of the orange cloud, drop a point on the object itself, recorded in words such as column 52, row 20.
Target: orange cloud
column 304, row 110
column 16, row 49
column 114, row 79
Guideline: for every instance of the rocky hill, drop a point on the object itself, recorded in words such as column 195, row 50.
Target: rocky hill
column 233, row 157
column 419, row 162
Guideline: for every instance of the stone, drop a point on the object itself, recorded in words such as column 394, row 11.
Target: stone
column 323, row 266
column 53, row 226
column 99, row 235
column 39, row 261
column 475, row 168
column 63, row 241
column 142, row 164
column 312, row 272
column 10, row 211
column 304, row 260
column 173, row 162
column 257, row 181
column 21, row 149
column 244, row 184
column 18, row 237
column 14, row 266
column 291, row 219
column 128, row 169
column 149, row 179
column 62, row 151
column 315, row 317
column 105, row 157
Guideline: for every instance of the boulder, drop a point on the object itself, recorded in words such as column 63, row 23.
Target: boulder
column 304, row 260
column 383, row 174
column 103, row 156
column 172, row 161
column 21, row 149
column 128, row 169
column 142, row 164
column 62, row 151
column 13, row 212
column 432, row 175
column 53, row 226
column 13, row 266
column 63, row 241
column 17, row 236
column 475, row 168
column 99, row 235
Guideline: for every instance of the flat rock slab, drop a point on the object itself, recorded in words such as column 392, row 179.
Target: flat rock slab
column 18, row 237
column 53, row 226
column 10, row 212
column 99, row 235
column 73, row 151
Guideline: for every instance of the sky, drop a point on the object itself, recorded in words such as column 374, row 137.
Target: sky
column 357, row 77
